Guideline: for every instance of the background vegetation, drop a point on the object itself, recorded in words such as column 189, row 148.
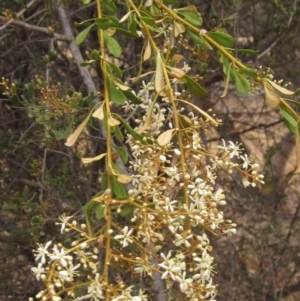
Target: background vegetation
column 40, row 177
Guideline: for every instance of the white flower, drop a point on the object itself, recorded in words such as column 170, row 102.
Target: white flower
column 184, row 283
column 247, row 161
column 182, row 240
column 68, row 274
column 125, row 237
column 198, row 187
column 173, row 173
column 95, row 291
column 233, row 149
column 42, row 252
column 145, row 89
column 170, row 265
column 38, row 272
column 60, row 255
column 64, row 220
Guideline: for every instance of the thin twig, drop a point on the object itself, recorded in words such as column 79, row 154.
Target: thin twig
column 35, row 28
column 19, row 14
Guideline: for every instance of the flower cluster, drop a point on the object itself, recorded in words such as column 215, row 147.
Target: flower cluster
column 173, row 204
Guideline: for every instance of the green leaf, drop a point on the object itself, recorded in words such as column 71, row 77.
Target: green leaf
column 132, row 23
column 86, row 1
column 242, row 85
column 118, row 188
column 118, row 134
column 289, row 120
column 100, row 211
column 113, row 46
column 185, row 121
column 88, row 214
column 108, row 6
column 148, row 21
column 104, row 180
column 127, row 33
column 192, row 17
column 249, row 72
column 126, row 209
column 222, row 38
column 115, row 95
column 105, row 23
column 95, row 55
column 135, row 134
column 131, row 96
column 201, row 44
column 154, row 10
column 247, row 51
column 193, row 87
column 115, row 68
column 83, row 35
column 226, row 63
column 123, row 154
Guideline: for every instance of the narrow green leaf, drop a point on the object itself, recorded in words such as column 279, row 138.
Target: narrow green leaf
column 201, row 44
column 83, row 35
column 193, row 87
column 249, row 72
column 127, row 33
column 132, row 23
column 247, row 51
column 242, row 85
column 115, row 95
column 192, row 17
column 289, row 120
column 113, row 46
column 131, row 96
column 104, row 181
column 118, row 134
column 296, row 103
column 100, row 211
column 123, row 154
column 108, row 6
column 106, row 22
column 148, row 21
column 86, row 1
column 135, row 134
column 88, row 213
column 185, row 121
column 118, row 188
column 115, row 69
column 222, row 38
